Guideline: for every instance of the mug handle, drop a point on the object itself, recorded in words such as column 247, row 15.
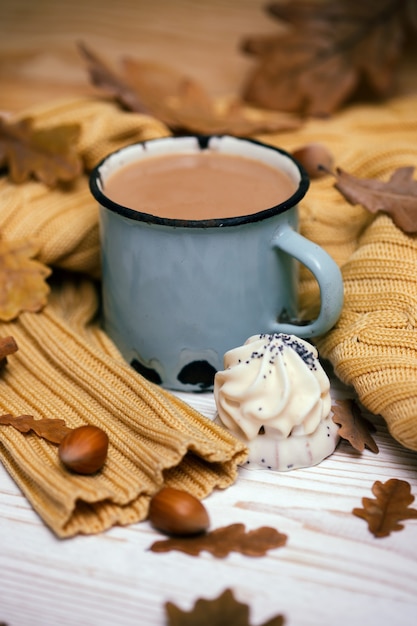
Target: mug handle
column 325, row 271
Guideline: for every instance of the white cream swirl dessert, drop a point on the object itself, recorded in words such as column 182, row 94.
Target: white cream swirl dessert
column 274, row 395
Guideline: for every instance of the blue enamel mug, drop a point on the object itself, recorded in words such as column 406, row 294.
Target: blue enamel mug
column 178, row 294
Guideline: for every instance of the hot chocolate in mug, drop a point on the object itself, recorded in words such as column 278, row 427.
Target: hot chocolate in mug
column 182, row 287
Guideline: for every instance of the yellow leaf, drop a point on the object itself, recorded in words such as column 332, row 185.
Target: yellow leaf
column 22, row 279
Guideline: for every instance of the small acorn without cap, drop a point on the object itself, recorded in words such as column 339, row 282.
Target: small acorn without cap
column 177, row 512
column 316, row 159
column 84, row 449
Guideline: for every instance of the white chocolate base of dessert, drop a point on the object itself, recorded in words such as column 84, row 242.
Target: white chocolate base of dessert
column 293, row 452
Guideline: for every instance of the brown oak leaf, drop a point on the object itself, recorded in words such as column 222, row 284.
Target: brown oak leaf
column 105, row 78
column 389, row 507
column 179, row 101
column 7, row 346
column 22, row 279
column 397, row 197
column 222, row 611
column 53, row 430
column 353, row 426
column 221, row 541
column 47, row 154
column 326, row 50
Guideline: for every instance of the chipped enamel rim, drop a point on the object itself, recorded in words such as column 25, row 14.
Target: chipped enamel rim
column 225, row 144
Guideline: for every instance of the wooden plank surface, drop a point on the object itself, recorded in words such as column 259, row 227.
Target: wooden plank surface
column 332, row 570
column 39, row 60
column 38, row 42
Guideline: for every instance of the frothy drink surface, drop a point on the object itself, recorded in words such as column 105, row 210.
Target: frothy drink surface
column 198, row 186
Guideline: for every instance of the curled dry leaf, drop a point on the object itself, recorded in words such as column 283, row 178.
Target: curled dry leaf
column 7, row 346
column 222, row 611
column 325, row 50
column 390, row 506
column 221, row 541
column 353, row 426
column 22, row 279
column 180, row 102
column 53, row 430
column 397, row 197
column 47, row 154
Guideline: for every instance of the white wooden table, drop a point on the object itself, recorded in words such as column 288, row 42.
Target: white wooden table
column 332, row 570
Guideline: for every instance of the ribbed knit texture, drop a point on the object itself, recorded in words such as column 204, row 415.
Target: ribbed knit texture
column 67, row 368
column 373, row 347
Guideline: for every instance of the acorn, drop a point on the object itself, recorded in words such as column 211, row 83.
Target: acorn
column 176, row 512
column 316, row 159
column 84, row 449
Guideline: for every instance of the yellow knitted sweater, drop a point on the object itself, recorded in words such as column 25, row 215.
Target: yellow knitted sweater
column 373, row 347
column 67, row 367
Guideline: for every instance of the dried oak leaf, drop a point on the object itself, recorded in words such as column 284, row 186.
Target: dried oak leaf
column 53, row 430
column 47, row 154
column 325, row 51
column 102, row 76
column 353, row 426
column 221, row 541
column 222, row 611
column 22, row 279
column 178, row 101
column 384, row 513
column 397, row 197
